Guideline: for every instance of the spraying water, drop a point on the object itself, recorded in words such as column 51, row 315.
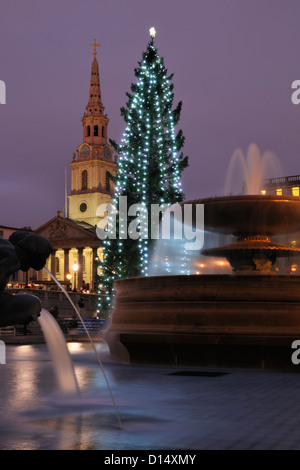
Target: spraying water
column 253, row 168
column 59, row 353
column 90, row 339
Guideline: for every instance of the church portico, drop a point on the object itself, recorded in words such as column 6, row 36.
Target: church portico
column 74, row 245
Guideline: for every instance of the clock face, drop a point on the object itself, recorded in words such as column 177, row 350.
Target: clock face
column 107, row 152
column 85, row 150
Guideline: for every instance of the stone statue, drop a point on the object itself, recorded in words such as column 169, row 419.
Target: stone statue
column 23, row 250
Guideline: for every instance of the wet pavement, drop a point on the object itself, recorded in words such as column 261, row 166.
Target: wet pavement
column 160, row 407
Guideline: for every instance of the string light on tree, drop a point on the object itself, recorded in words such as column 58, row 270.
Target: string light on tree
column 149, row 165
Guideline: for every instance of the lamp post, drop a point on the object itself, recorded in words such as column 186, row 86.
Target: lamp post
column 75, row 269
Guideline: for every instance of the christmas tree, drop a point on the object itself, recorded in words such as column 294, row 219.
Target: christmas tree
column 150, row 164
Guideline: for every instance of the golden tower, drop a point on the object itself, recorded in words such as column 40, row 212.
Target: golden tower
column 90, row 168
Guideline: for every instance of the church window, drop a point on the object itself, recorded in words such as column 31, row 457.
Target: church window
column 96, row 131
column 83, row 207
column 84, row 179
column 107, row 182
column 103, row 131
column 88, row 131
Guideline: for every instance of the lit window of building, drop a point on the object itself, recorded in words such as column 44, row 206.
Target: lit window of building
column 287, row 185
column 263, row 192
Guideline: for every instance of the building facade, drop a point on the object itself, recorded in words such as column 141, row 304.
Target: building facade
column 282, row 186
column 76, row 253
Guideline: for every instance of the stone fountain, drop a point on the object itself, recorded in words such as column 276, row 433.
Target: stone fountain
column 247, row 318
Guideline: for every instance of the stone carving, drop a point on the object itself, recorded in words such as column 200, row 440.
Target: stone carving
column 58, row 230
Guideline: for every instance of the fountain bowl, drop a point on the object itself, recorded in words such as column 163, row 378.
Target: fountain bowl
column 251, row 215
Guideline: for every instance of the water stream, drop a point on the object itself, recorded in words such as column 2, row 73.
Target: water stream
column 59, row 353
column 90, row 339
column 249, row 170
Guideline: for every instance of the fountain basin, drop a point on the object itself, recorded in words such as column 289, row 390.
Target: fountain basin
column 210, row 320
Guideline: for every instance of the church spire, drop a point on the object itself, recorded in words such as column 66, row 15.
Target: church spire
column 95, row 105
column 91, row 168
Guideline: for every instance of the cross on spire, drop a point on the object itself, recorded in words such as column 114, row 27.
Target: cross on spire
column 95, row 45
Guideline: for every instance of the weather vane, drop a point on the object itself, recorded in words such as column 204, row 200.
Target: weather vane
column 95, row 45
column 152, row 32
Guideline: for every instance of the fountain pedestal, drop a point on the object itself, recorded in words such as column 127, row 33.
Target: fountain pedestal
column 214, row 320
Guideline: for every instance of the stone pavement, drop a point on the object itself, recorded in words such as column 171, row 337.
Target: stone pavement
column 161, row 407
column 242, row 409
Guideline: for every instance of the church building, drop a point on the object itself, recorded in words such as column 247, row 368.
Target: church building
column 73, row 236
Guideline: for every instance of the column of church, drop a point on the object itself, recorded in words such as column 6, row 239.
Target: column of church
column 66, row 262
column 80, row 268
column 94, row 269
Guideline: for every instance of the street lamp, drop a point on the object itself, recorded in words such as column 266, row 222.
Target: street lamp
column 69, row 277
column 75, row 269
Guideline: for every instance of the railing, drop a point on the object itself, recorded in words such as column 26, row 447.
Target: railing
column 50, row 298
column 282, row 180
column 93, row 325
column 8, row 330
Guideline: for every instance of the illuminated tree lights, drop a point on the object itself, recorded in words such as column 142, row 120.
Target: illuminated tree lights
column 149, row 167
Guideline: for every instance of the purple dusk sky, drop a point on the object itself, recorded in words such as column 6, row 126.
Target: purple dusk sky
column 233, row 62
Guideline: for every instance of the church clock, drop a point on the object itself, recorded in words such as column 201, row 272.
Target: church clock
column 107, row 152
column 85, row 150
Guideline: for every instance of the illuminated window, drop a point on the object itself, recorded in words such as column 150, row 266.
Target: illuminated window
column 279, row 192
column 263, row 192
column 296, row 191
